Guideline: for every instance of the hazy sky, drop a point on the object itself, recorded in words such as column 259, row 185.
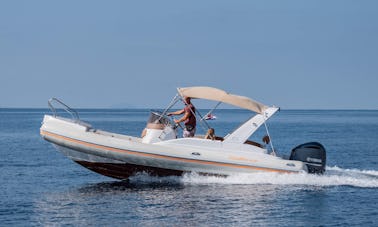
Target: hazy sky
column 293, row 54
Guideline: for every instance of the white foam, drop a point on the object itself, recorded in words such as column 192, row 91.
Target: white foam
column 334, row 176
column 368, row 172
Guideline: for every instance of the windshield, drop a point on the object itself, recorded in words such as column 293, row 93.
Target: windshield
column 156, row 117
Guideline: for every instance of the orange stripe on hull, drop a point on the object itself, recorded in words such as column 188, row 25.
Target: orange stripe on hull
column 87, row 144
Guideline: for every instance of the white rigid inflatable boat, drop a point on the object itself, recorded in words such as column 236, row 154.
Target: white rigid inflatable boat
column 160, row 152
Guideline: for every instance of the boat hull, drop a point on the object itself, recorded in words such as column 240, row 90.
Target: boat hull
column 119, row 170
column 113, row 168
column 125, row 170
column 120, row 156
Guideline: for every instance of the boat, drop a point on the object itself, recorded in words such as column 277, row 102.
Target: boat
column 210, row 117
column 161, row 152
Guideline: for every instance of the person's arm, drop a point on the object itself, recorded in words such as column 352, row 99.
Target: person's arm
column 184, row 118
column 178, row 112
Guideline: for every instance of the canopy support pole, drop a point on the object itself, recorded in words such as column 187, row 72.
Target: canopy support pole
column 216, row 106
column 172, row 103
column 271, row 142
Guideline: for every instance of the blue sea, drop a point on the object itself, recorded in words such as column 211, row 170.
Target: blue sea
column 41, row 187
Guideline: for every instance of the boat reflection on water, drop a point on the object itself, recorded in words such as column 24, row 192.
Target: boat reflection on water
column 163, row 200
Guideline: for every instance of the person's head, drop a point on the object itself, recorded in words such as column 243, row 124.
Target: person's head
column 210, row 131
column 187, row 100
column 266, row 139
column 210, row 134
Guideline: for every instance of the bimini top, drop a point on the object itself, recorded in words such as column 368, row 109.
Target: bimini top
column 216, row 94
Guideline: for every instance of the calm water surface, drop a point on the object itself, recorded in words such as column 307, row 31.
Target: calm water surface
column 40, row 187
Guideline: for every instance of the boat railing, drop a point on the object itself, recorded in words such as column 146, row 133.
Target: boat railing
column 73, row 113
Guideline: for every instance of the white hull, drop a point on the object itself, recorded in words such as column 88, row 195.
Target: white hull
column 120, row 156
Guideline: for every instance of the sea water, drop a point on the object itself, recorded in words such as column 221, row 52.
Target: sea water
column 41, row 187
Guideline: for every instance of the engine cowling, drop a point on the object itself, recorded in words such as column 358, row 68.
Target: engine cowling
column 313, row 154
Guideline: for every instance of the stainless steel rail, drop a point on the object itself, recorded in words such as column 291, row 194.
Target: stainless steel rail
column 72, row 112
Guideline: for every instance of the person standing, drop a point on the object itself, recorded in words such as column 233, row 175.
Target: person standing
column 189, row 118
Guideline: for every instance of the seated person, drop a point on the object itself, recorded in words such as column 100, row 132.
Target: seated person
column 211, row 135
column 266, row 140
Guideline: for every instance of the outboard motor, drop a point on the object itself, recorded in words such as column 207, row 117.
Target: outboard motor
column 313, row 154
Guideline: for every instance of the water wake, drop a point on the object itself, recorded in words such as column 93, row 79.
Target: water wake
column 334, row 176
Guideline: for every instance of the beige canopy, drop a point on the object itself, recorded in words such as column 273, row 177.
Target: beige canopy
column 216, row 94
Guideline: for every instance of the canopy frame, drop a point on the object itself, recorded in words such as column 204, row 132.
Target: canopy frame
column 215, row 94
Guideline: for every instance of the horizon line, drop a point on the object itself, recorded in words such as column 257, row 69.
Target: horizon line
column 152, row 108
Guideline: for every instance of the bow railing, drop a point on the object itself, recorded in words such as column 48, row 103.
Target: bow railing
column 69, row 110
